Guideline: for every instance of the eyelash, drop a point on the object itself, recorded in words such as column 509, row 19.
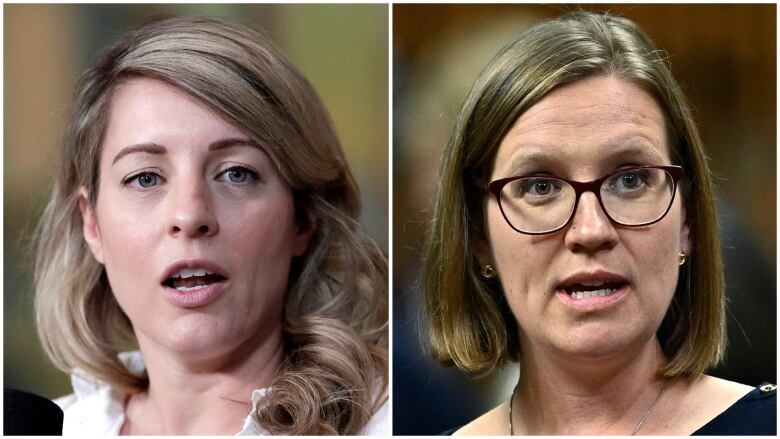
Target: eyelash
column 135, row 177
column 252, row 174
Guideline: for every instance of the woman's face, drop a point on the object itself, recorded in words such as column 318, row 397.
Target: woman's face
column 583, row 131
column 193, row 222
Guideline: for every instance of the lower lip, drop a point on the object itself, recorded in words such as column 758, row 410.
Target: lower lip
column 595, row 303
column 195, row 298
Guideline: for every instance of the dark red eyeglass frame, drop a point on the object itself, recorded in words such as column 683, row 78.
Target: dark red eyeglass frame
column 676, row 172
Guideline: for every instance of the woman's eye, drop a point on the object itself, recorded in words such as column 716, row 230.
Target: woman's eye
column 143, row 180
column 542, row 187
column 538, row 187
column 237, row 174
column 630, row 180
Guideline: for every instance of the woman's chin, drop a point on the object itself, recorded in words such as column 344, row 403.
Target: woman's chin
column 194, row 335
column 593, row 351
column 599, row 342
column 195, row 347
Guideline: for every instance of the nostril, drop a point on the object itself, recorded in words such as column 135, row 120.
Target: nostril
column 204, row 229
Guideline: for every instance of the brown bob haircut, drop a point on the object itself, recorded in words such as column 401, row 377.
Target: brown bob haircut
column 471, row 325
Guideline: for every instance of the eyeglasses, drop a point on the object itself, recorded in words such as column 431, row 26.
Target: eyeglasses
column 632, row 197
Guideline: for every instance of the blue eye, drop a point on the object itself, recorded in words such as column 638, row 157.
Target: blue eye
column 144, row 180
column 237, row 174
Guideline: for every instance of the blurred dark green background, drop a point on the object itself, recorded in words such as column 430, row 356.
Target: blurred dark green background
column 341, row 49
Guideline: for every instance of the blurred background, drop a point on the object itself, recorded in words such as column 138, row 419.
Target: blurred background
column 724, row 56
column 341, row 49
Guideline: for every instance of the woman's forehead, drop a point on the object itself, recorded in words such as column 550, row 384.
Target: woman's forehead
column 592, row 120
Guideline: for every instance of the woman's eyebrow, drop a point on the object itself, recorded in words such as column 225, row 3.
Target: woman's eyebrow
column 621, row 145
column 526, row 158
column 154, row 148
column 227, row 143
column 636, row 152
column 147, row 147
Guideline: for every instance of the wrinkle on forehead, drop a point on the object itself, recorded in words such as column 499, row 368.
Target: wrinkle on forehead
column 585, row 121
column 557, row 116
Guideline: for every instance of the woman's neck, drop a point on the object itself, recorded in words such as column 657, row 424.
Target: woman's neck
column 559, row 395
column 201, row 395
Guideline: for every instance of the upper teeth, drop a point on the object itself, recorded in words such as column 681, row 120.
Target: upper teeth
column 594, row 293
column 184, row 273
column 592, row 283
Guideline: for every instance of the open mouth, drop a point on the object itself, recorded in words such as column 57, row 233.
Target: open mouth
column 586, row 290
column 192, row 279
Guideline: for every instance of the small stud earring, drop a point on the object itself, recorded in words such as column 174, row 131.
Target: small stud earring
column 488, row 272
column 682, row 257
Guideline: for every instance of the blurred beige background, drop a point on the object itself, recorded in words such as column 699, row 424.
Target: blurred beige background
column 724, row 56
column 341, row 49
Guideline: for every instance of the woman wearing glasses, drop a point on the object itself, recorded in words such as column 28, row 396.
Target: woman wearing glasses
column 574, row 231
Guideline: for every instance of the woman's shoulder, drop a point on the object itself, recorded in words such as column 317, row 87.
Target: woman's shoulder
column 95, row 407
column 753, row 413
column 718, row 386
column 494, row 422
column 379, row 424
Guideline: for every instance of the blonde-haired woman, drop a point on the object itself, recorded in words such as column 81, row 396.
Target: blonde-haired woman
column 574, row 232
column 204, row 210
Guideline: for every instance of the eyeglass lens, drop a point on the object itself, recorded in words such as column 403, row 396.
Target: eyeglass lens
column 632, row 197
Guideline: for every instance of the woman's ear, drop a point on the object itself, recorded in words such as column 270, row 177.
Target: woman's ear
column 482, row 252
column 306, row 227
column 685, row 239
column 91, row 229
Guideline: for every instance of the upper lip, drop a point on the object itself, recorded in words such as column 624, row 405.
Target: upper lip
column 592, row 276
column 191, row 264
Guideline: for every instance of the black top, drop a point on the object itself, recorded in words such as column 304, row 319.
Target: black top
column 754, row 414
column 29, row 414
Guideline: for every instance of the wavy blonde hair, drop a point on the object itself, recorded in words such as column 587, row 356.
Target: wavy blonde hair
column 471, row 325
column 335, row 329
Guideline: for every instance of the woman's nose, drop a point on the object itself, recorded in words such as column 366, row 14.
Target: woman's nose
column 191, row 212
column 591, row 229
